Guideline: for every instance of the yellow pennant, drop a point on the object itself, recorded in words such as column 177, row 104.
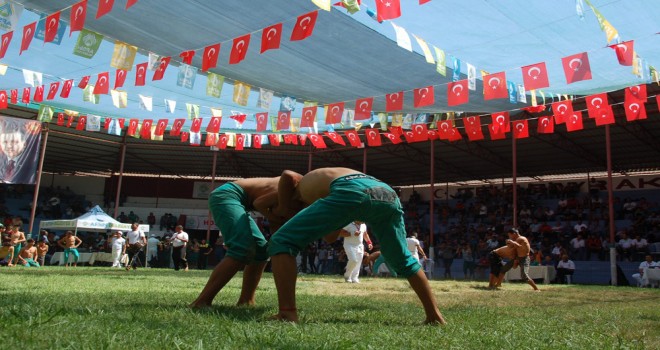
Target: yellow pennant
column 123, row 56
column 533, row 95
column 323, row 4
column 119, row 98
column 241, row 93
column 425, row 48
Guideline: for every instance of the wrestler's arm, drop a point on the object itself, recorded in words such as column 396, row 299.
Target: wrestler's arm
column 333, row 236
column 287, row 204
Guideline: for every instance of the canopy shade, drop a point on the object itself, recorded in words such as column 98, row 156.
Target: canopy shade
column 94, row 220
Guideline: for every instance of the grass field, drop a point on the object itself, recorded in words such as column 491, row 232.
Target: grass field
column 100, row 308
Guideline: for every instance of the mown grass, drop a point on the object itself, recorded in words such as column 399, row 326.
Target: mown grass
column 100, row 308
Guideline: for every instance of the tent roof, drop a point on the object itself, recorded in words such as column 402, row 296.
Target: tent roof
column 94, row 220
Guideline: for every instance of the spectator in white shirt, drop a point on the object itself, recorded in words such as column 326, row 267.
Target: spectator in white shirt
column 624, row 246
column 579, row 227
column 640, row 245
column 646, row 264
column 565, row 268
column 578, row 247
column 179, row 241
column 118, row 249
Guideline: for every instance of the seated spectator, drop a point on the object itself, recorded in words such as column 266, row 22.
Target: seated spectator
column 557, row 252
column 646, row 264
column 624, row 246
column 122, row 218
column 640, row 245
column 132, row 217
column 151, row 220
column 565, row 268
column 579, row 227
column 578, row 247
column 594, row 246
column 6, row 253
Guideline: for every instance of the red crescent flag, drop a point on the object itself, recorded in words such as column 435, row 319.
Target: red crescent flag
column 308, row 117
column 102, row 84
column 3, row 99
column 187, row 56
column 363, row 108
column 576, row 67
column 214, row 125
column 304, row 26
column 239, row 49
column 14, row 96
column 141, row 73
column 51, row 24
column 457, row 93
column 444, row 129
column 121, row 123
column 625, row 52
column 535, row 76
column 410, row 136
column 78, row 14
column 336, row 138
column 520, row 129
column 271, row 37
column 501, row 121
column 25, row 98
column 106, row 123
column 256, row 141
column 394, row 138
column 211, row 140
column 66, row 88
column 210, row 58
column 455, row 135
column 240, row 118
column 39, row 93
column 60, row 119
column 562, row 110
column 160, row 127
column 637, row 92
column 433, row 135
column 82, row 121
column 495, row 86
column 496, row 133
column 262, row 121
column 635, row 109
column 317, row 140
column 595, row 103
column 274, row 139
column 283, row 120
column 52, row 90
column 353, row 138
column 574, row 122
column 393, row 102
column 160, row 72
column 145, row 132
column 222, row 141
column 120, row 78
column 83, row 82
column 334, row 111
column 4, row 44
column 420, row 131
column 176, row 127
column 185, row 135
column 473, row 128
column 546, row 125
column 130, row 3
column 240, row 142
column 105, row 6
column 28, row 34
column 70, row 121
column 373, row 137
column 132, row 127
column 196, row 125
column 388, row 9
column 424, row 97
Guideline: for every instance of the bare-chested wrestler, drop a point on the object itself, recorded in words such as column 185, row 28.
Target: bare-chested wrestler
column 521, row 244
column 70, row 244
column 28, row 255
column 17, row 239
column 497, row 270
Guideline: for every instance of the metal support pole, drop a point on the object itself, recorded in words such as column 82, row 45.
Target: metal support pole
column 364, row 160
column 208, row 221
column 432, row 202
column 514, row 183
column 33, row 212
column 610, row 205
column 309, row 159
column 121, row 175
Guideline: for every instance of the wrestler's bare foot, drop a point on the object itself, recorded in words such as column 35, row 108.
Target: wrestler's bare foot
column 436, row 320
column 285, row 316
column 200, row 305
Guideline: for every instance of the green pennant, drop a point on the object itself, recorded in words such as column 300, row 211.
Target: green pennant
column 214, row 84
column 87, row 44
column 193, row 110
column 88, row 95
column 45, row 114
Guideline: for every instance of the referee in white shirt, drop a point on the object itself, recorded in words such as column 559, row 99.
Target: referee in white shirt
column 179, row 241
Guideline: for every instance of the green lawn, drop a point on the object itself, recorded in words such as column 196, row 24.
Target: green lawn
column 100, row 308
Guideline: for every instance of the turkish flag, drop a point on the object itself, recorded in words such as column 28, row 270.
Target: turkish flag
column 605, row 116
column 303, row 139
column 28, row 34
column 410, row 136
column 83, row 82
column 3, row 99
column 637, row 92
column 535, row 76
column 51, row 24
column 495, row 86
column 363, row 108
column 66, row 88
column 336, row 138
column 211, row 140
column 106, row 123
column 394, row 138
column 78, row 14
column 444, row 129
column 105, row 6
column 304, row 26
column 545, row 125
column 373, row 137
column 388, row 9
column 473, row 128
column 271, row 37
column 496, row 133
column 394, row 101
column 283, row 120
column 239, row 49
column 222, row 141
column 353, row 138
column 308, row 117
column 433, row 134
column 160, row 127
column 274, row 139
column 102, row 84
column 625, row 52
column 160, row 72
column 121, row 123
column 595, row 103
column 420, row 132
column 562, row 110
column 130, row 3
column 576, row 67
column 176, row 127
column 635, row 109
column 292, row 139
column 25, row 98
column 52, row 90
column 501, row 121
column 39, row 93
column 60, row 119
column 239, row 118
column 214, row 125
column 334, row 112
column 424, row 97
column 187, row 56
column 185, row 135
column 262, row 121
column 317, row 140
column 6, row 39
column 120, row 77
column 455, row 135
column 457, row 93
column 210, row 58
column 396, row 130
column 145, row 132
column 82, row 121
column 14, row 96
column 520, row 129
column 256, row 141
column 196, row 125
column 574, row 122
column 69, row 122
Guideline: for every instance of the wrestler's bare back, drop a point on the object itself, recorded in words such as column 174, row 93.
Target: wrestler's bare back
column 316, row 183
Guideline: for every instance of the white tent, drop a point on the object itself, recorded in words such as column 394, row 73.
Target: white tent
column 94, row 220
